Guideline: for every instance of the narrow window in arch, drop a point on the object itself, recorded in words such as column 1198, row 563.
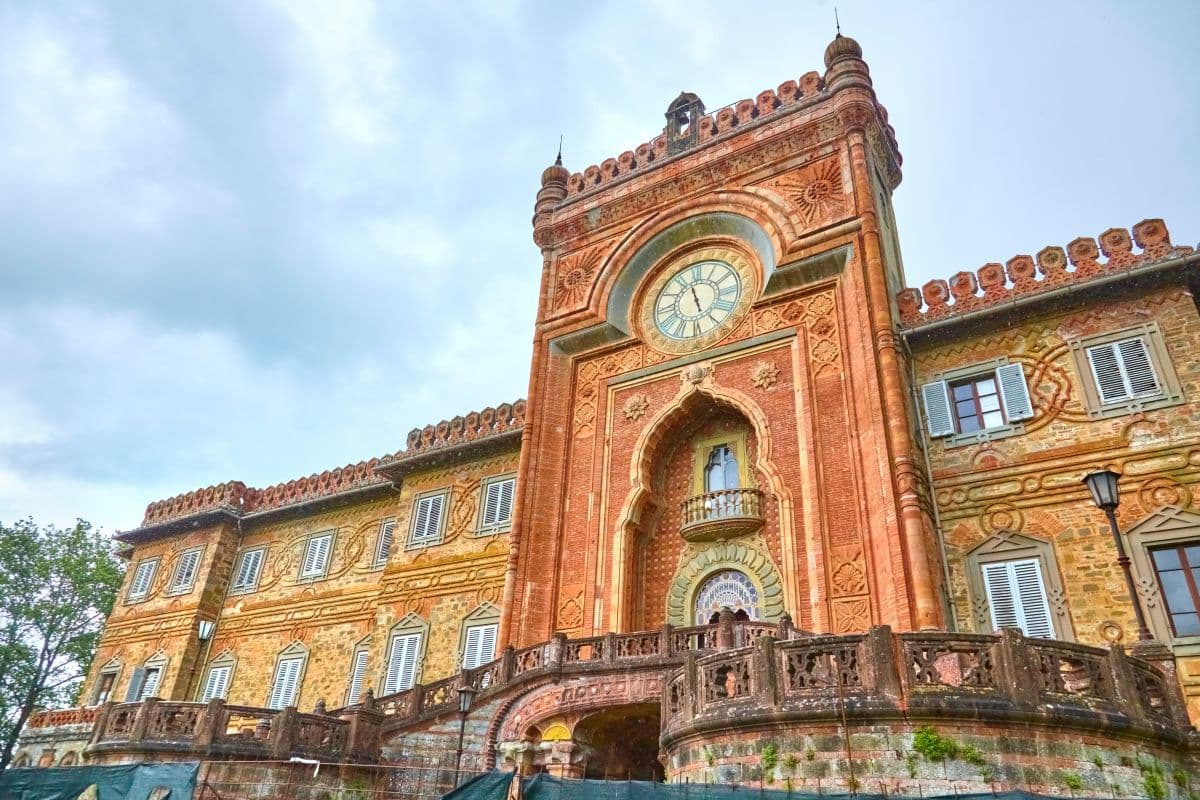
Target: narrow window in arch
column 728, row 588
column 721, row 471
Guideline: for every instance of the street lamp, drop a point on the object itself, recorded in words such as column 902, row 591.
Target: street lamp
column 466, row 694
column 1103, row 486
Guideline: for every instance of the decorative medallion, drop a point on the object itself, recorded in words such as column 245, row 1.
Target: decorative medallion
column 697, row 300
column 1110, row 631
column 765, row 374
column 636, row 407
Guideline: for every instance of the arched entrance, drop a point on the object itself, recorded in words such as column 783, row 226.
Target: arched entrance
column 621, row 743
column 727, row 588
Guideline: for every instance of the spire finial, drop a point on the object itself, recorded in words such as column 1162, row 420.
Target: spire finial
column 558, row 159
column 837, row 22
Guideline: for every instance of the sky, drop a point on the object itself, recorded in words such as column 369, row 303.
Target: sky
column 255, row 240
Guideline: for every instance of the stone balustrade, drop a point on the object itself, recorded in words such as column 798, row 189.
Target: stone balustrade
column 215, row 728
column 723, row 514
column 881, row 675
column 61, row 717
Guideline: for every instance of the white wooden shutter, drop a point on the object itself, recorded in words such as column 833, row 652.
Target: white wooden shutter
column 402, row 662
column 140, row 584
column 150, row 683
column 491, row 504
column 287, row 678
column 937, row 408
column 316, row 556
column 247, row 574
column 387, row 531
column 357, row 671
column 1016, row 596
column 134, row 689
column 185, row 571
column 1139, row 372
column 1123, row 370
column 1014, row 392
column 481, row 645
column 428, row 520
column 504, row 511
column 217, row 684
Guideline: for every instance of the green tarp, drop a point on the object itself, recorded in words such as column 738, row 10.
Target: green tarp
column 112, row 782
column 495, row 786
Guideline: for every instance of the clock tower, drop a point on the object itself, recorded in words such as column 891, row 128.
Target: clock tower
column 718, row 411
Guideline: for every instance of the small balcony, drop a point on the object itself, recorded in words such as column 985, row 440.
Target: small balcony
column 724, row 514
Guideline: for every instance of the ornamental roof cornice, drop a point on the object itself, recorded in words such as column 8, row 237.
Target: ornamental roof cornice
column 450, row 439
column 1053, row 271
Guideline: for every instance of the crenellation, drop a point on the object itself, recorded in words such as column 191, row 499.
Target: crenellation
column 1019, row 278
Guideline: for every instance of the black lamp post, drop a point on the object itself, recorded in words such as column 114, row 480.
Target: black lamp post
column 466, row 694
column 1103, row 486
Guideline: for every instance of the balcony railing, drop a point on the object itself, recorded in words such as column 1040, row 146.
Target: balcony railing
column 724, row 514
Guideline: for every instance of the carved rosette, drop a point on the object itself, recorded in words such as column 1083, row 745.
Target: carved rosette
column 816, row 191
column 765, row 374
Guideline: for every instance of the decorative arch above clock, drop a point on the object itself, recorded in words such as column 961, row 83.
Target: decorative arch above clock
column 721, row 224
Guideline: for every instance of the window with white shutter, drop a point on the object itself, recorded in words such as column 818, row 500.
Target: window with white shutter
column 383, row 545
column 427, row 519
column 247, row 570
column 402, row 662
column 1016, row 594
column 976, row 402
column 150, row 679
column 185, row 571
column 481, row 645
column 358, row 672
column 143, row 576
column 1123, row 370
column 497, row 504
column 316, row 556
column 286, row 683
column 217, row 683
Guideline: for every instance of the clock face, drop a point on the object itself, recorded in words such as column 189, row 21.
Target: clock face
column 697, row 299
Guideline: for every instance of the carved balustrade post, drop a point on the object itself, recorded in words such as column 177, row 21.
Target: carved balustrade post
column 725, row 634
column 765, row 684
column 879, row 669
column 691, row 688
column 666, row 641
column 284, row 727
column 418, row 699
column 101, row 724
column 142, row 720
column 557, row 651
column 1161, row 656
column 507, row 663
column 610, row 646
column 212, row 723
column 786, row 628
column 362, row 738
column 1125, row 688
column 1016, row 667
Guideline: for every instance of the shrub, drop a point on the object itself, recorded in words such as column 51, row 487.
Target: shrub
column 935, row 747
column 768, row 757
column 1072, row 781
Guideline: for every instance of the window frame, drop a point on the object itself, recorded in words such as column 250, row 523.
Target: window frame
column 1170, row 393
column 736, row 440
column 331, row 534
column 974, row 372
column 130, row 597
column 113, row 667
column 483, row 615
column 226, row 660
column 380, row 559
column 296, row 651
column 1164, row 527
column 409, row 625
column 1189, row 578
column 174, row 590
column 502, row 526
column 1013, row 546
column 412, row 543
column 238, row 562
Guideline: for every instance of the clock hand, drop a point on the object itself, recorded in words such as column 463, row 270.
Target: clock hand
column 697, row 299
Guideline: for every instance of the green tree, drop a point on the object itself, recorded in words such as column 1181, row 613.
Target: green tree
column 56, row 589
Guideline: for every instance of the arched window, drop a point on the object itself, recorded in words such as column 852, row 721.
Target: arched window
column 219, row 676
column 146, row 680
column 70, row 759
column 727, row 588
column 289, row 676
column 406, row 652
column 721, row 471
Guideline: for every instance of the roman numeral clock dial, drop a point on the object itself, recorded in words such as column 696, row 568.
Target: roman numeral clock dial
column 697, row 299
